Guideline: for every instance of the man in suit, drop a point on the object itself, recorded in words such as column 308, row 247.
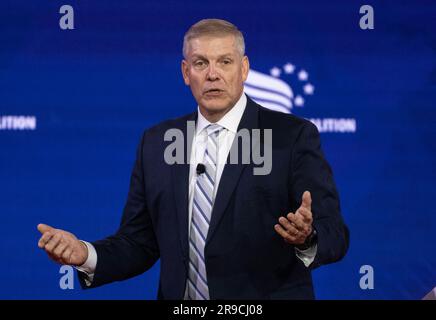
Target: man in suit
column 220, row 230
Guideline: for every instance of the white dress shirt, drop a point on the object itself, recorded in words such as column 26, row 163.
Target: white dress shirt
column 230, row 123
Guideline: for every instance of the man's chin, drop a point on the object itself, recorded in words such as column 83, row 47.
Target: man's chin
column 215, row 105
column 215, row 109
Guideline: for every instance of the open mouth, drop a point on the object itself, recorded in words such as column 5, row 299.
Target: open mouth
column 213, row 91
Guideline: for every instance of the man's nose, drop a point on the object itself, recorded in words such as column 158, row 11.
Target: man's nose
column 212, row 73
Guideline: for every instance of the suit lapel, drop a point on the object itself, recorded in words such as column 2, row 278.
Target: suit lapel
column 232, row 172
column 180, row 176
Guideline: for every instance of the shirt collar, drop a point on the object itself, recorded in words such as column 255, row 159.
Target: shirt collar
column 231, row 119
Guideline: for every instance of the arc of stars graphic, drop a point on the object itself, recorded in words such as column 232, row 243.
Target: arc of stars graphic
column 302, row 76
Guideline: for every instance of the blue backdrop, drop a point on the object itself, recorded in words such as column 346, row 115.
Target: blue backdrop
column 87, row 94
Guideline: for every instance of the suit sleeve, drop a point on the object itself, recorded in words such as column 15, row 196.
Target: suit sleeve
column 133, row 249
column 310, row 171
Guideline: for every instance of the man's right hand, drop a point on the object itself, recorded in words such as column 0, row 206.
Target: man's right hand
column 62, row 246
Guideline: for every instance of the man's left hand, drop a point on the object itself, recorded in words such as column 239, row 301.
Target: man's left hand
column 295, row 228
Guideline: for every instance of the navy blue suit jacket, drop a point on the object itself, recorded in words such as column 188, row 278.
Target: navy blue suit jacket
column 245, row 257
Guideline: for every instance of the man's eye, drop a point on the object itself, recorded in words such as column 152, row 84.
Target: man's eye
column 199, row 63
column 225, row 62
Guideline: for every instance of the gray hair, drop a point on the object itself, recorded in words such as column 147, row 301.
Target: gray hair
column 216, row 28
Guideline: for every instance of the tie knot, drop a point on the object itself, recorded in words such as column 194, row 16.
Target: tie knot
column 213, row 128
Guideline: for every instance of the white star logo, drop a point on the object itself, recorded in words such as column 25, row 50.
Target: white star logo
column 275, row 72
column 299, row 101
column 289, row 68
column 299, row 92
column 303, row 75
column 308, row 89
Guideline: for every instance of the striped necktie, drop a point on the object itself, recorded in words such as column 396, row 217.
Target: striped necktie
column 201, row 216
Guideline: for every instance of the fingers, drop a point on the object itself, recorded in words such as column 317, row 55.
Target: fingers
column 59, row 250
column 53, row 242
column 47, row 234
column 287, row 226
column 305, row 214
column 299, row 223
column 44, row 228
column 307, row 200
column 293, row 229
column 285, row 235
column 66, row 255
column 62, row 246
column 46, row 237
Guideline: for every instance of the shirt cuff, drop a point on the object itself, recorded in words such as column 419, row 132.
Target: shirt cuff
column 88, row 268
column 307, row 256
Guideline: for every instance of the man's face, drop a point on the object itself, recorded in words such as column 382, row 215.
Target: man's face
column 215, row 71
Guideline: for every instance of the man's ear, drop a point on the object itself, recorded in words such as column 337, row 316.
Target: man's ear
column 185, row 71
column 245, row 68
